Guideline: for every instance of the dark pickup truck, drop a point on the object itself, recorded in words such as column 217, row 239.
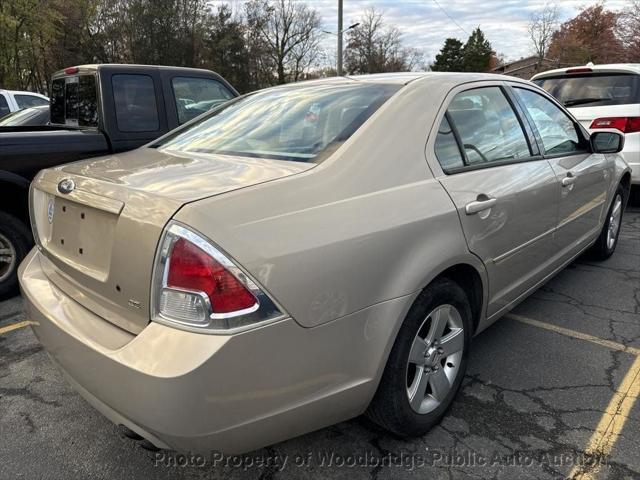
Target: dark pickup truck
column 95, row 110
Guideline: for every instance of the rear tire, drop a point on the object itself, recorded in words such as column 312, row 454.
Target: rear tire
column 606, row 243
column 15, row 243
column 424, row 370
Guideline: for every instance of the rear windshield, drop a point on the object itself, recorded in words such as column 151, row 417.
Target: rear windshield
column 299, row 123
column 593, row 90
column 74, row 101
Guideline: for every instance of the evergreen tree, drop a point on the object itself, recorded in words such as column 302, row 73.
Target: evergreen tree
column 450, row 58
column 477, row 52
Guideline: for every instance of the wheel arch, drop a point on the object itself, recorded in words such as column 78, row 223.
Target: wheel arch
column 14, row 195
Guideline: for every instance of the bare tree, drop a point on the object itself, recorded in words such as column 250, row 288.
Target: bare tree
column 542, row 27
column 629, row 30
column 290, row 33
column 375, row 47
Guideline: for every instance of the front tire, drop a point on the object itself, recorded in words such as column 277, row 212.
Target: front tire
column 15, row 243
column 606, row 243
column 427, row 362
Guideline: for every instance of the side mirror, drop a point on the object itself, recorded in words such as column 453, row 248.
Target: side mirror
column 606, row 142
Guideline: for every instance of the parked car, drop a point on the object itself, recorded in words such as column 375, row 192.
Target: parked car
column 311, row 252
column 602, row 97
column 95, row 110
column 27, row 117
column 12, row 101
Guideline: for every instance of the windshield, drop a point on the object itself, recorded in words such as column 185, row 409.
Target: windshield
column 593, row 89
column 286, row 123
column 18, row 118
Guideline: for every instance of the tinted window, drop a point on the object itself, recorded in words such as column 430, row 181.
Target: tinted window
column 57, row 101
column 592, row 90
column 286, row 123
column 4, row 106
column 488, row 127
column 71, row 101
column 197, row 95
column 447, row 150
column 87, row 101
column 26, row 101
column 74, row 101
column 135, row 103
column 558, row 132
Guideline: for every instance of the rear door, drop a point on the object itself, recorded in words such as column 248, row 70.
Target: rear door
column 582, row 177
column 504, row 191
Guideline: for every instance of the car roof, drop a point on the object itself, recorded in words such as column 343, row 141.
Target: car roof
column 94, row 67
column 605, row 68
column 404, row 78
column 22, row 92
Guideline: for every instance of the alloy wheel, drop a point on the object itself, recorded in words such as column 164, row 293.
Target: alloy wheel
column 434, row 359
column 614, row 222
column 7, row 257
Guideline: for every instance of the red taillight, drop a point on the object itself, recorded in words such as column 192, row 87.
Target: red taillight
column 192, row 269
column 71, row 70
column 624, row 124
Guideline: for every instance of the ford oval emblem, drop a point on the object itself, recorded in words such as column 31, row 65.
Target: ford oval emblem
column 66, row 186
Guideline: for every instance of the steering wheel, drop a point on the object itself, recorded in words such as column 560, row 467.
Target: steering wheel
column 470, row 146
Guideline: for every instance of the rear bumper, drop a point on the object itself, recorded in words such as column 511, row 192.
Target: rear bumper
column 202, row 393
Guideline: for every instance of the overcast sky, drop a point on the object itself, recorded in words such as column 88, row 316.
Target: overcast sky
column 425, row 25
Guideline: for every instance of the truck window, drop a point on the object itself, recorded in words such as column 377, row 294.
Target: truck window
column 197, row 95
column 4, row 106
column 135, row 102
column 26, row 101
column 74, row 101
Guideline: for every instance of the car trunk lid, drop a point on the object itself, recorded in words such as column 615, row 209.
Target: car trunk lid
column 98, row 222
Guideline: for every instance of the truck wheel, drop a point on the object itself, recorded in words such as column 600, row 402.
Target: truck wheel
column 15, row 243
column 427, row 362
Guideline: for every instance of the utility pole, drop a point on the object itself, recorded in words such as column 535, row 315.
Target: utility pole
column 339, row 69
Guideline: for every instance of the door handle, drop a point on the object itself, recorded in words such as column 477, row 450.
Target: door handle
column 568, row 180
column 479, row 205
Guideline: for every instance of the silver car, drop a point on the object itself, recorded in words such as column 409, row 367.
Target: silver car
column 311, row 252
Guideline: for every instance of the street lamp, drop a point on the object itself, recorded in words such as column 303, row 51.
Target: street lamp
column 339, row 35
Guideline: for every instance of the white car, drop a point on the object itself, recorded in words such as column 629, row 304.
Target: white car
column 12, row 101
column 601, row 97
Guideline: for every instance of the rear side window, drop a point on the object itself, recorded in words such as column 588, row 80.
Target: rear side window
column 197, row 95
column 26, row 101
column 447, row 150
column 488, row 128
column 74, row 101
column 557, row 130
column 135, row 103
column 4, row 106
column 592, row 90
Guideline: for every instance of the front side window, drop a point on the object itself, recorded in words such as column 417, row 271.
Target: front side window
column 557, row 130
column 4, row 106
column 195, row 96
column 488, row 128
column 298, row 122
column 135, row 103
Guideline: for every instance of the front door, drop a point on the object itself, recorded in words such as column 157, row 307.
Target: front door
column 506, row 195
column 582, row 180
